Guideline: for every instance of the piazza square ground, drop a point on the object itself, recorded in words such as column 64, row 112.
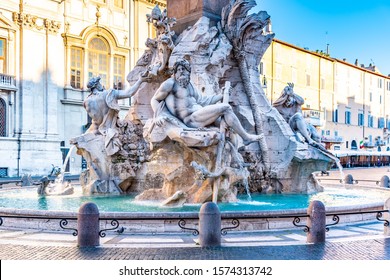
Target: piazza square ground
column 357, row 241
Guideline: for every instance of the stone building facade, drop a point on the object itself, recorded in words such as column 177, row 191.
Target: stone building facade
column 48, row 51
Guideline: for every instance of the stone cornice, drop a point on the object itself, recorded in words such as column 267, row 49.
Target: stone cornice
column 155, row 2
column 34, row 22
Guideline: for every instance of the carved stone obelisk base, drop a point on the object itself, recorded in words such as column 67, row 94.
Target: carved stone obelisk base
column 188, row 12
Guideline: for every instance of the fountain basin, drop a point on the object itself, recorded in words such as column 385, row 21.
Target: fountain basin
column 252, row 216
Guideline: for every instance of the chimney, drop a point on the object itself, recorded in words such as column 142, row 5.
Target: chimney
column 268, row 28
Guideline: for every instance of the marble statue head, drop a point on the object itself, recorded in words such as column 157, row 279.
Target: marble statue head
column 94, row 82
column 182, row 72
column 182, row 62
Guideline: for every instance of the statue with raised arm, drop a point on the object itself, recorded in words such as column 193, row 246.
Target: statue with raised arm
column 111, row 146
column 289, row 105
column 184, row 102
column 102, row 107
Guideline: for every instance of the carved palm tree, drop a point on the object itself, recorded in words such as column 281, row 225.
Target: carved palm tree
column 241, row 28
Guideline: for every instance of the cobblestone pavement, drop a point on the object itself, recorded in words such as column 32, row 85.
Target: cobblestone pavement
column 360, row 241
column 377, row 249
column 360, row 173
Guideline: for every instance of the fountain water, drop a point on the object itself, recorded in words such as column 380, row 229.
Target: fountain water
column 340, row 167
column 26, row 199
column 60, row 177
column 248, row 192
column 58, row 187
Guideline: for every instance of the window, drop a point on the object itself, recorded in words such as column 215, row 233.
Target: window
column 381, row 122
column 119, row 69
column 379, row 83
column 278, row 73
column 76, row 66
column 261, row 68
column 294, row 77
column 307, row 80
column 370, row 96
column 336, row 116
column 370, row 121
column 322, row 83
column 354, row 145
column 347, row 117
column 98, row 60
column 3, row 120
column 360, row 119
column 388, row 86
column 2, row 56
column 118, row 3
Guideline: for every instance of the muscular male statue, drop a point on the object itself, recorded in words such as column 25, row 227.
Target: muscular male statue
column 102, row 107
column 289, row 105
column 196, row 111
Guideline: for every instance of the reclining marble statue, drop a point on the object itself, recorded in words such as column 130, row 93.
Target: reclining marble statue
column 185, row 103
column 289, row 105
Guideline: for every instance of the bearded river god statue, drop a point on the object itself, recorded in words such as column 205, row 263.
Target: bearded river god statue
column 201, row 127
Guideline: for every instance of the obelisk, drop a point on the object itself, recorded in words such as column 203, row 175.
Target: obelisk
column 187, row 12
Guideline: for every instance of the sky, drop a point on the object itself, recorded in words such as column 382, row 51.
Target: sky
column 353, row 29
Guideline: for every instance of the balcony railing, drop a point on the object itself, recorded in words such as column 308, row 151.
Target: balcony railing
column 332, row 139
column 314, row 117
column 7, row 82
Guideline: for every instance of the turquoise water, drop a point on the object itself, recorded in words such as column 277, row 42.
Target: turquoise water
column 28, row 199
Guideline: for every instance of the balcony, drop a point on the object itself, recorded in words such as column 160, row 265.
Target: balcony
column 332, row 139
column 369, row 145
column 7, row 82
column 314, row 117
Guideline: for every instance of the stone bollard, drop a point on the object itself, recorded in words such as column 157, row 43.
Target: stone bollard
column 348, row 179
column 209, row 225
column 316, row 222
column 385, row 181
column 386, row 216
column 88, row 225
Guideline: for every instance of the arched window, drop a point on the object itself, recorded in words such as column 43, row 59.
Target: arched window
column 353, row 145
column 98, row 60
column 3, row 118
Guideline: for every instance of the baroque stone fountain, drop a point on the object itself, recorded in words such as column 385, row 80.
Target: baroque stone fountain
column 200, row 127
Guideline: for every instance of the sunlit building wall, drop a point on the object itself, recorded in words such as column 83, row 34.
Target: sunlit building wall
column 48, row 51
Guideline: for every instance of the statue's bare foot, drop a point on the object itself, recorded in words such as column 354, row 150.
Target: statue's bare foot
column 253, row 138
